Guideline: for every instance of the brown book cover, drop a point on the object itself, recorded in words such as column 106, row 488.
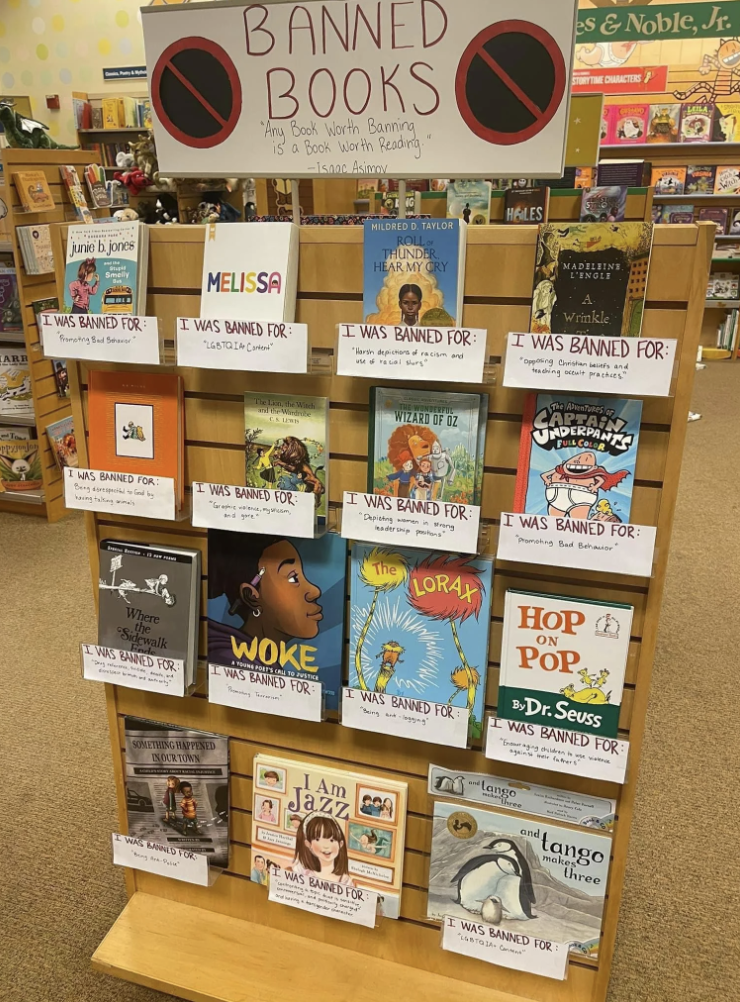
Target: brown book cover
column 33, row 190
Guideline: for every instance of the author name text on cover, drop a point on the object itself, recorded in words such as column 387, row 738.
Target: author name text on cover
column 120, row 493
column 439, row 525
column 107, row 337
column 265, row 692
column 253, row 509
column 250, row 345
column 445, row 354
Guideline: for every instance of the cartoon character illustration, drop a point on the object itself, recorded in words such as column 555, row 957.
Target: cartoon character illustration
column 663, row 126
column 367, row 805
column 630, row 128
column 188, row 807
column 572, row 488
column 21, row 468
column 158, row 587
column 85, row 285
column 321, row 848
column 271, row 778
column 448, row 784
column 606, row 54
column 391, row 656
column 259, row 870
column 291, row 457
column 592, row 691
column 404, row 476
column 153, row 586
column 169, row 799
column 502, row 877
column 267, row 812
column 423, row 481
column 409, row 303
column 386, row 811
column 383, row 571
column 726, row 80
column 607, row 626
column 133, row 431
column 443, row 469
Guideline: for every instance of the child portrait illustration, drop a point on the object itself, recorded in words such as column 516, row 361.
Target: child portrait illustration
column 84, row 286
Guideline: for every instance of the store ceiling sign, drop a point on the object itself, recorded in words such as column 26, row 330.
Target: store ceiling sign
column 659, row 22
column 376, row 88
column 628, row 80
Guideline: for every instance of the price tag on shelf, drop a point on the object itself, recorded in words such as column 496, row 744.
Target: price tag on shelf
column 437, row 525
column 253, row 509
column 133, row 669
column 557, row 749
column 310, row 893
column 105, row 337
column 249, row 345
column 120, row 493
column 384, row 351
column 266, row 692
column 587, row 544
column 640, row 366
column 516, row 950
column 405, row 717
column 164, row 860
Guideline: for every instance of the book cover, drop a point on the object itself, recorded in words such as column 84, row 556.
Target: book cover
column 699, row 179
column 16, row 398
column 286, row 441
column 61, row 376
column 563, row 661
column 277, row 605
column 177, row 787
column 697, row 123
column 135, row 421
column 10, row 303
column 385, row 202
column 419, row 625
column 608, row 117
column 111, row 113
column 577, row 457
column 469, row 201
column 526, row 205
column 33, row 191
column 96, row 184
column 426, row 445
column 733, row 228
column 366, row 188
column 668, row 180
column 331, row 824
column 630, row 124
column 678, row 213
column 727, row 180
column 726, row 127
column 413, row 272
column 528, row 877
column 717, row 216
column 20, row 464
column 723, row 285
column 250, row 274
column 590, row 278
column 103, row 268
column 13, row 433
column 35, row 244
column 605, row 204
column 664, row 123
column 61, row 435
column 633, row 173
column 585, row 177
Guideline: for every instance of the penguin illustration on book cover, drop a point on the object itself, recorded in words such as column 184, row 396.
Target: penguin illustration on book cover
column 501, row 877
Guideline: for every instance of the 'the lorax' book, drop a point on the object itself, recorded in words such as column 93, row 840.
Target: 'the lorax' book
column 277, row 605
column 106, row 269
column 419, row 624
column 528, row 876
column 413, row 272
column 329, row 826
column 563, row 661
column 250, row 273
column 590, row 278
column 286, row 441
column 577, row 457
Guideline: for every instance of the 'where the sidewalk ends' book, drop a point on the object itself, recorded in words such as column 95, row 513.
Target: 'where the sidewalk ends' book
column 106, row 268
column 136, row 424
column 419, row 625
column 527, row 876
column 61, row 435
column 329, row 826
column 149, row 600
column 277, row 605
column 177, row 787
column 413, row 272
column 577, row 456
column 526, row 205
column 250, row 273
column 286, row 441
column 563, row 661
column 469, row 201
column 427, row 445
column 590, row 278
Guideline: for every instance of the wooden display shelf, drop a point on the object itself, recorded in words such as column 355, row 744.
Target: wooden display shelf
column 122, row 128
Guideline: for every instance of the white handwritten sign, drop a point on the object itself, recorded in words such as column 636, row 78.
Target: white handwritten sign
column 251, row 345
column 107, row 337
column 120, row 493
column 405, row 717
column 640, row 366
column 265, row 692
column 311, row 893
column 557, row 749
column 134, row 669
column 440, row 525
column 516, row 950
column 379, row 351
column 374, row 89
column 164, row 860
column 585, row 543
column 253, row 509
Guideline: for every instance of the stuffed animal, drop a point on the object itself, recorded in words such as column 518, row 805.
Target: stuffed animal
column 166, row 209
column 134, row 180
column 27, row 133
column 126, row 215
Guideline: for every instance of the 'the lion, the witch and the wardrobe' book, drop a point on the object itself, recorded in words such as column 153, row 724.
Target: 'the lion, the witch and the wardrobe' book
column 329, row 826
column 590, row 278
column 419, row 625
column 277, row 605
column 527, row 876
column 577, row 456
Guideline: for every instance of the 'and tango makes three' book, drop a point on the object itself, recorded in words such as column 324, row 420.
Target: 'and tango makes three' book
column 577, row 457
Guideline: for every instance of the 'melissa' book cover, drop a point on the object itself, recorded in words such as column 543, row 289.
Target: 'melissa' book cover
column 577, row 457
column 590, row 278
column 419, row 624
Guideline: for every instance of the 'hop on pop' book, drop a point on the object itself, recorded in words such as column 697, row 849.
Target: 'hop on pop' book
column 419, row 624
column 577, row 457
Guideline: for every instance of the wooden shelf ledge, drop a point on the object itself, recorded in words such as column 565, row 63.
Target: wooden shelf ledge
column 239, row 961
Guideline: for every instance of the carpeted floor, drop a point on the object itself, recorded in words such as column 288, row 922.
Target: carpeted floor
column 679, row 930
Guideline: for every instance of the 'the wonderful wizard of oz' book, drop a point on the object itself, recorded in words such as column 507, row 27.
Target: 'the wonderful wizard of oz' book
column 577, row 456
column 525, row 875
column 419, row 626
column 563, row 661
column 590, row 278
column 329, row 824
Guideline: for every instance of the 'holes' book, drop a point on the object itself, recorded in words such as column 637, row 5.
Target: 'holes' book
column 106, row 269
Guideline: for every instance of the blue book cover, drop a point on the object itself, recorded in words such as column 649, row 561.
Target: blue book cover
column 277, row 604
column 577, row 456
column 413, row 272
column 419, row 625
column 101, row 271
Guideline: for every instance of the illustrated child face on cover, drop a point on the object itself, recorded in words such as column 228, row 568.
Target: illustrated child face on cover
column 409, row 300
column 271, row 778
column 259, row 863
column 321, row 847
